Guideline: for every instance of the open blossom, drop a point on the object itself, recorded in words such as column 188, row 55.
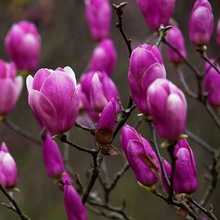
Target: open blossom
column 98, row 15
column 104, row 57
column 140, row 156
column 54, row 98
column 10, row 87
column 23, row 44
column 8, row 168
column 184, row 180
column 145, row 66
column 211, row 85
column 175, row 38
column 201, row 23
column 157, row 12
column 74, row 207
column 168, row 108
column 52, row 158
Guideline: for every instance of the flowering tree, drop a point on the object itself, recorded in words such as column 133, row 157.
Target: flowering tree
column 146, row 126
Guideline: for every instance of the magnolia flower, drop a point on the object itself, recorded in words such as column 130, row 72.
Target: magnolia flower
column 53, row 96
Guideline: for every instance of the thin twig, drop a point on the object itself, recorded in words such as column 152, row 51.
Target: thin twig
column 14, row 203
column 208, row 213
column 63, row 139
column 91, row 130
column 119, row 25
column 162, row 33
column 214, row 175
column 119, row 210
column 184, row 83
column 193, row 68
column 93, row 177
column 20, row 131
column 215, row 117
column 206, row 58
column 157, row 151
column 170, row 150
column 125, row 115
column 199, row 141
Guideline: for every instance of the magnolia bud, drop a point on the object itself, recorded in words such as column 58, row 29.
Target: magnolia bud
column 23, row 44
column 201, row 23
column 168, row 108
column 185, row 168
column 74, row 207
column 106, row 123
column 8, row 168
column 145, row 66
column 104, row 57
column 175, row 38
column 98, row 15
column 140, row 156
column 10, row 87
column 157, row 12
column 52, row 158
column 211, row 85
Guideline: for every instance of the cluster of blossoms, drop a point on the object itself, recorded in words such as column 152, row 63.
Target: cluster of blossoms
column 57, row 100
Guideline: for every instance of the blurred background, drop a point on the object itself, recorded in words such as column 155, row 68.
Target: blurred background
column 66, row 41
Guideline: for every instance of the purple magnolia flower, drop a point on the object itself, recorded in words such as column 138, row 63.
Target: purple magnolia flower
column 8, row 168
column 185, row 169
column 201, row 23
column 168, row 108
column 106, row 123
column 211, row 85
column 98, row 15
column 145, row 66
column 99, row 89
column 157, row 12
column 54, row 98
column 140, row 156
column 218, row 32
column 104, row 57
column 175, row 38
column 52, row 158
column 23, row 44
column 10, row 87
column 74, row 207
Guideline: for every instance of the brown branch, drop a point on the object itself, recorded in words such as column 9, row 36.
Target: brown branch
column 20, row 131
column 214, row 176
column 119, row 25
column 14, row 206
column 193, row 68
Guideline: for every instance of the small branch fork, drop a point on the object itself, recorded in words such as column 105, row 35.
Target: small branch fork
column 13, row 206
column 119, row 25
